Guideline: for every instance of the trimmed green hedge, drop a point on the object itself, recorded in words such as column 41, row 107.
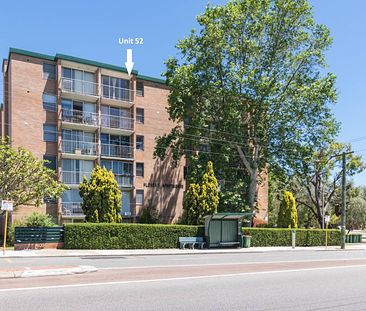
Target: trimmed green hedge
column 149, row 236
column 282, row 237
column 126, row 236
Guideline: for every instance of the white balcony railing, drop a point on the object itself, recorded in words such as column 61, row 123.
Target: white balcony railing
column 79, row 117
column 117, row 122
column 72, row 209
column 81, row 87
column 79, row 147
column 124, row 181
column 117, row 93
column 117, row 151
column 74, row 177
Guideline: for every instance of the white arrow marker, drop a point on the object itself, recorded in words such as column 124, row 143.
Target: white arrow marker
column 129, row 64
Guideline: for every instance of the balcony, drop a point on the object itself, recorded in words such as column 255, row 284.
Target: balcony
column 117, row 95
column 116, row 124
column 72, row 210
column 77, row 119
column 74, row 177
column 79, row 89
column 79, row 149
column 117, row 151
column 124, row 181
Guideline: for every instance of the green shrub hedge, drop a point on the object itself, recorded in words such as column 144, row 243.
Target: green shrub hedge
column 282, row 237
column 126, row 236
column 149, row 236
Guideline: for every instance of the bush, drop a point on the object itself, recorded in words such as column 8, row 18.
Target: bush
column 38, row 220
column 287, row 215
column 282, row 237
column 126, row 236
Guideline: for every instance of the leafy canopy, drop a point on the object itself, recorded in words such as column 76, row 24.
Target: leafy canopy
column 250, row 83
column 23, row 178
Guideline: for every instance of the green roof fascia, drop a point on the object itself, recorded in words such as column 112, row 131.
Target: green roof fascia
column 84, row 61
column 93, row 63
column 151, row 79
column 31, row 54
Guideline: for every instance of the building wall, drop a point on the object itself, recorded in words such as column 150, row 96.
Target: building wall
column 162, row 183
column 26, row 114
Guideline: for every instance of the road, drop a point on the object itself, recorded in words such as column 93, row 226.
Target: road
column 306, row 280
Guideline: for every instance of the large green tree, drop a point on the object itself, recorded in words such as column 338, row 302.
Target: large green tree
column 101, row 197
column 250, row 85
column 23, row 178
column 317, row 180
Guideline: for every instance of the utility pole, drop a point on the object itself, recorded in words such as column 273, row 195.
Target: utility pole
column 343, row 215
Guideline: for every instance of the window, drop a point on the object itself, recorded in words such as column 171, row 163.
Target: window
column 140, row 115
column 52, row 162
column 49, row 132
column 49, row 71
column 122, row 171
column 140, row 88
column 139, row 142
column 115, row 88
column 140, row 169
column 49, row 102
column 139, row 197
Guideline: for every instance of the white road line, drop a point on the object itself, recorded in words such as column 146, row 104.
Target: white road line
column 177, row 279
column 226, row 264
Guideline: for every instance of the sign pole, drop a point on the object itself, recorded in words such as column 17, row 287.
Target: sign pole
column 5, row 230
column 326, row 235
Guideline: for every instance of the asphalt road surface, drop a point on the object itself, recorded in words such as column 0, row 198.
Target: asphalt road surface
column 306, row 280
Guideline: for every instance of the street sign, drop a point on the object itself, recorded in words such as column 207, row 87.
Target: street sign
column 6, row 205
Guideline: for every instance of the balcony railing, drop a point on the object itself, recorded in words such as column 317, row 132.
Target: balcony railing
column 72, row 209
column 79, row 147
column 124, row 181
column 79, row 117
column 117, row 122
column 117, row 151
column 117, row 93
column 74, row 177
column 81, row 87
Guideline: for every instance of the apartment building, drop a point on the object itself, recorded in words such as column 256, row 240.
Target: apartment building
column 78, row 113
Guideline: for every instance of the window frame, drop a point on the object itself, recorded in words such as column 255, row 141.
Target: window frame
column 140, row 144
column 140, row 118
column 47, row 157
column 141, row 169
column 140, row 92
column 140, row 192
column 48, row 76
column 53, row 132
column 47, row 108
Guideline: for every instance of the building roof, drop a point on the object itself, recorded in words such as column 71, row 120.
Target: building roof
column 84, row 61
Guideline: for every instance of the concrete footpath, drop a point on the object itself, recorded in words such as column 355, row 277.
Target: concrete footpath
column 169, row 251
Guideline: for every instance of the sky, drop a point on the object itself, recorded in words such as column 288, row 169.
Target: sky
column 91, row 30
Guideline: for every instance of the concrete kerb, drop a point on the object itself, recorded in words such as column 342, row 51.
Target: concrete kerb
column 46, row 272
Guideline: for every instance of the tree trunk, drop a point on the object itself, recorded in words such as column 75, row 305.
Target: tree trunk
column 252, row 188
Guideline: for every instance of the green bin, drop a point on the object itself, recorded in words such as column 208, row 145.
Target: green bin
column 246, row 241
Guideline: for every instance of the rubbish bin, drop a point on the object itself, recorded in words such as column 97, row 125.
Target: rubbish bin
column 246, row 241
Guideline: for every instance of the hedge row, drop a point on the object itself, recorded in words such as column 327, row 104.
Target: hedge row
column 282, row 237
column 126, row 236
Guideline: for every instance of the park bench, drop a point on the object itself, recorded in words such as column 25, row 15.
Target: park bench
column 191, row 241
